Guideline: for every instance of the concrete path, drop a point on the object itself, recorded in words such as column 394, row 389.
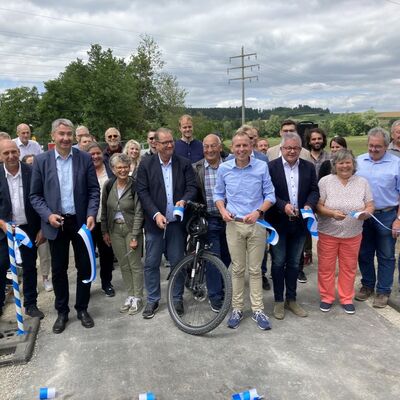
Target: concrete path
column 324, row 356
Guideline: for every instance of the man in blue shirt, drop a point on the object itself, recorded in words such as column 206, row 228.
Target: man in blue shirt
column 243, row 192
column 382, row 170
column 187, row 146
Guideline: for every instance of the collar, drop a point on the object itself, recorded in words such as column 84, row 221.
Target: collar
column 386, row 157
column 296, row 164
column 207, row 164
column 19, row 143
column 162, row 163
column 8, row 174
column 58, row 155
column 250, row 164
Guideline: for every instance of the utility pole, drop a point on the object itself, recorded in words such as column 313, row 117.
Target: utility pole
column 243, row 77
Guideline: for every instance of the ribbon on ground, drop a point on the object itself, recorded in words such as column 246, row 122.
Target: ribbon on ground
column 356, row 214
column 247, row 395
column 12, row 246
column 312, row 221
column 273, row 237
column 86, row 235
column 178, row 212
column 47, row 393
column 147, row 396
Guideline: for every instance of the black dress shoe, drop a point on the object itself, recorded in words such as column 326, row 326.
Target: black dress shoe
column 265, row 283
column 109, row 291
column 33, row 311
column 60, row 323
column 86, row 319
column 179, row 308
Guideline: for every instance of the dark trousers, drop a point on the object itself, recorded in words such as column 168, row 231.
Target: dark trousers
column 106, row 256
column 29, row 272
column 285, row 259
column 59, row 249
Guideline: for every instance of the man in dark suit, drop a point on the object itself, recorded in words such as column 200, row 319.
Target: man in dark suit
column 164, row 180
column 66, row 194
column 296, row 187
column 15, row 180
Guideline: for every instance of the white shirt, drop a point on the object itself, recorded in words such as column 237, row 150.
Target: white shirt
column 16, row 190
column 31, row 148
column 292, row 181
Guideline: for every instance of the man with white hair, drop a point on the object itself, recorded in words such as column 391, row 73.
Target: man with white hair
column 394, row 146
column 24, row 144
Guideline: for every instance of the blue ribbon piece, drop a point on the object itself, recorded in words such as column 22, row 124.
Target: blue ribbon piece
column 312, row 221
column 47, row 393
column 247, row 395
column 86, row 235
column 178, row 212
column 147, row 396
column 273, row 237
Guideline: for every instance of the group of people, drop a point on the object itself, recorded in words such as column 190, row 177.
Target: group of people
column 127, row 201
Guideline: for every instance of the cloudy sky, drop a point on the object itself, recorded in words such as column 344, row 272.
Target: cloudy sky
column 338, row 54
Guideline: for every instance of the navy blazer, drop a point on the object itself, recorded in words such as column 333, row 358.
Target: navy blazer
column 151, row 189
column 308, row 192
column 5, row 201
column 45, row 189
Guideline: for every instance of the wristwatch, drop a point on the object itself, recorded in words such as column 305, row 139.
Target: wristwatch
column 261, row 212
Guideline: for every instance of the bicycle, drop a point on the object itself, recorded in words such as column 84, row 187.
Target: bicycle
column 190, row 275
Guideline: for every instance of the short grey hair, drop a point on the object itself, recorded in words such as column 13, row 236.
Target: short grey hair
column 341, row 155
column 290, row 136
column 378, row 131
column 119, row 158
column 61, row 121
column 394, row 125
column 162, row 130
column 4, row 135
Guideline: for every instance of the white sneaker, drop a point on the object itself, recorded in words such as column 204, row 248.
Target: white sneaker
column 48, row 286
column 136, row 306
column 127, row 305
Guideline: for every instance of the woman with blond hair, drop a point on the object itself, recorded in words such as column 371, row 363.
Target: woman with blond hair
column 132, row 149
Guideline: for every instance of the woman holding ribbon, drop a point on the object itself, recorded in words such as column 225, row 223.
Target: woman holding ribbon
column 121, row 224
column 341, row 193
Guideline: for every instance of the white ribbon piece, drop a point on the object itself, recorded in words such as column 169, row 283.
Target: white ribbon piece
column 47, row 393
column 86, row 235
column 356, row 214
column 20, row 238
column 312, row 223
column 147, row 396
column 273, row 237
column 247, row 395
column 178, row 212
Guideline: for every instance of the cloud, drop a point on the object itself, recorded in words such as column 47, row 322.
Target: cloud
column 340, row 55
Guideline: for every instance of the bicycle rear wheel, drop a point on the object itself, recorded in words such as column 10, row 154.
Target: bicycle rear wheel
column 198, row 317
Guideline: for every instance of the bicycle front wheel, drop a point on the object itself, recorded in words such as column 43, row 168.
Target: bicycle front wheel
column 197, row 286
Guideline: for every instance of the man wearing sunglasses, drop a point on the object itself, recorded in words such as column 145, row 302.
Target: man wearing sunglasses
column 151, row 136
column 112, row 137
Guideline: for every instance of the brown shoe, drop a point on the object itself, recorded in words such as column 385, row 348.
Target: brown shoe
column 279, row 310
column 296, row 308
column 364, row 293
column 380, row 300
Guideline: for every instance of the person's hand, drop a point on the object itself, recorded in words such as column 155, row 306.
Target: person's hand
column 133, row 244
column 396, row 228
column 251, row 218
column 55, row 220
column 3, row 226
column 363, row 216
column 161, row 221
column 226, row 215
column 338, row 215
column 107, row 239
column 90, row 223
column 180, row 203
column 290, row 210
column 39, row 239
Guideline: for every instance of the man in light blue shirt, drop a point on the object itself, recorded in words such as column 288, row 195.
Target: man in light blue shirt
column 243, row 192
column 382, row 170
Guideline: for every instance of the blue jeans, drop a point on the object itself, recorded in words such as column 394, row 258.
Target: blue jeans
column 286, row 257
column 216, row 235
column 174, row 242
column 378, row 240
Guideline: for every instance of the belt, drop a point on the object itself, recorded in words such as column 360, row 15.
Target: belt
column 292, row 218
column 387, row 209
column 68, row 215
column 119, row 221
column 237, row 219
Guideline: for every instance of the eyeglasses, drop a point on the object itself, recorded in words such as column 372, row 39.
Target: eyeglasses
column 210, row 146
column 290, row 148
column 378, row 147
column 151, row 138
column 112, row 136
column 166, row 142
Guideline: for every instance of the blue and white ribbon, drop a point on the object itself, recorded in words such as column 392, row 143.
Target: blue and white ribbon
column 273, row 237
column 356, row 214
column 47, row 393
column 178, row 212
column 312, row 221
column 247, row 395
column 86, row 235
column 12, row 245
column 147, row 396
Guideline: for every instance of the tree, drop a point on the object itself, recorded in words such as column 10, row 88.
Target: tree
column 19, row 105
column 273, row 126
